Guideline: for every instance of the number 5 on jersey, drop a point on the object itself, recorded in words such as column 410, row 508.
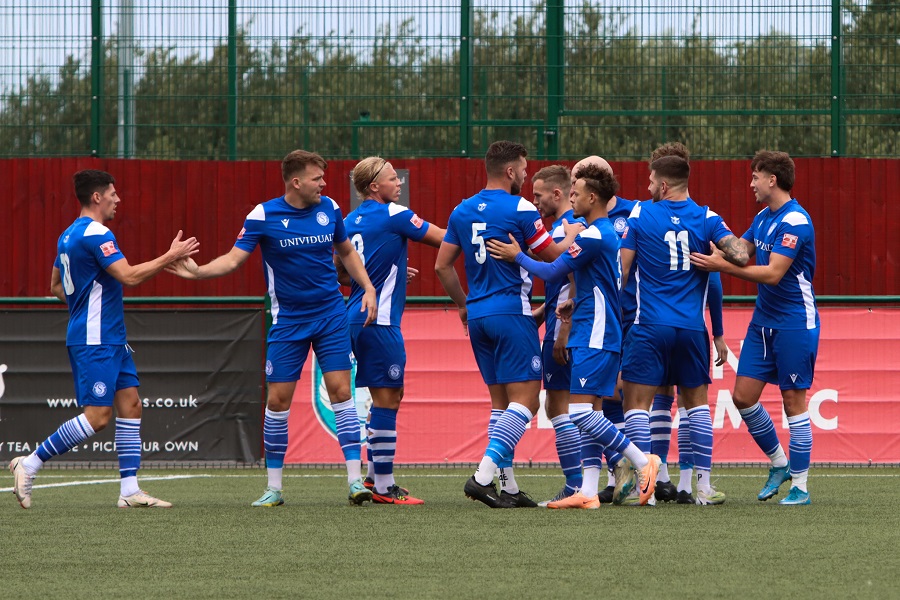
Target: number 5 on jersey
column 477, row 240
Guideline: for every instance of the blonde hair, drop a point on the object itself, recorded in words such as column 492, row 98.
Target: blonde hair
column 365, row 173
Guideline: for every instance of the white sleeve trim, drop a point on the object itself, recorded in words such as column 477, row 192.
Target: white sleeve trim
column 257, row 214
column 95, row 228
column 526, row 206
column 795, row 218
column 395, row 209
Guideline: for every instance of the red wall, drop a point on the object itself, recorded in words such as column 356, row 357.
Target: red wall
column 853, row 203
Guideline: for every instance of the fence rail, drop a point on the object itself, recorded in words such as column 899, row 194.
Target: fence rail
column 242, row 79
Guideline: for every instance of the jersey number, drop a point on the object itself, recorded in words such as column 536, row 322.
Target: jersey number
column 360, row 247
column 68, row 286
column 480, row 253
column 675, row 240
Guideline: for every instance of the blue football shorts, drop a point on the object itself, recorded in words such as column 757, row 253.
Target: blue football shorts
column 665, row 355
column 100, row 372
column 380, row 355
column 506, row 348
column 289, row 344
column 594, row 371
column 556, row 376
column 783, row 356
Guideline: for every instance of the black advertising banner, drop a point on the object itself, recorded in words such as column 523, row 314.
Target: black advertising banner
column 201, row 374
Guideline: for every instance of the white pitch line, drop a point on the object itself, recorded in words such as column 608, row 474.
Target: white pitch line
column 96, row 481
column 717, row 475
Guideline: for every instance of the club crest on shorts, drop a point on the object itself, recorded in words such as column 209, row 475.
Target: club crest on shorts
column 535, row 363
column 321, row 219
column 99, row 389
column 394, row 372
column 269, row 368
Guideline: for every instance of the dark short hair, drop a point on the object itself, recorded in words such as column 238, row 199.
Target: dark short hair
column 557, row 175
column 775, row 163
column 599, row 181
column 502, row 153
column 673, row 169
column 89, row 181
column 297, row 160
column 671, row 149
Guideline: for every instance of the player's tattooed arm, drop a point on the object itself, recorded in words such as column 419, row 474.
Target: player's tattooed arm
column 734, row 250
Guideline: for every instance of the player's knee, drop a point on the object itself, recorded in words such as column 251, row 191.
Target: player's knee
column 741, row 401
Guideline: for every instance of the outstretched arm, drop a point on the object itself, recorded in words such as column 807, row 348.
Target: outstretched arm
column 219, row 266
column 512, row 252
column 132, row 275
column 769, row 274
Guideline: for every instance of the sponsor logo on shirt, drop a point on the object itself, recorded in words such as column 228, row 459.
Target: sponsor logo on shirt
column 789, row 241
column 108, row 248
column 241, row 234
column 763, row 246
column 574, row 250
column 285, row 222
column 306, row 239
column 416, row 220
column 321, row 219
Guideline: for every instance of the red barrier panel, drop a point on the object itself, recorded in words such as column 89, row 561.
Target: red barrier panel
column 853, row 202
column 446, row 407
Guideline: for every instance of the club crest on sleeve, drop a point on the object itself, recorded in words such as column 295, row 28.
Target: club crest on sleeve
column 108, row 248
column 416, row 220
column 789, row 241
column 574, row 250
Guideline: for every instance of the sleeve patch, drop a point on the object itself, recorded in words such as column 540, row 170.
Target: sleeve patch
column 108, row 248
column 416, row 220
column 241, row 233
column 574, row 250
column 789, row 241
column 625, row 233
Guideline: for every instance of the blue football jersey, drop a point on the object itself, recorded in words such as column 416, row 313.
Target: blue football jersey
column 297, row 249
column 792, row 303
column 94, row 297
column 557, row 292
column 496, row 287
column 594, row 258
column 618, row 216
column 379, row 232
column 670, row 291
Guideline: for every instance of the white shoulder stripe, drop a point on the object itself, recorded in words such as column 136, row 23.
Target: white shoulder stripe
column 95, row 228
column 257, row 214
column 334, row 204
column 636, row 211
column 526, row 206
column 795, row 218
column 711, row 213
column 591, row 232
column 395, row 209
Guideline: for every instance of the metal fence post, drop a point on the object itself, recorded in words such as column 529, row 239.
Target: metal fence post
column 96, row 77
column 555, row 66
column 232, row 80
column 465, row 77
column 837, row 118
